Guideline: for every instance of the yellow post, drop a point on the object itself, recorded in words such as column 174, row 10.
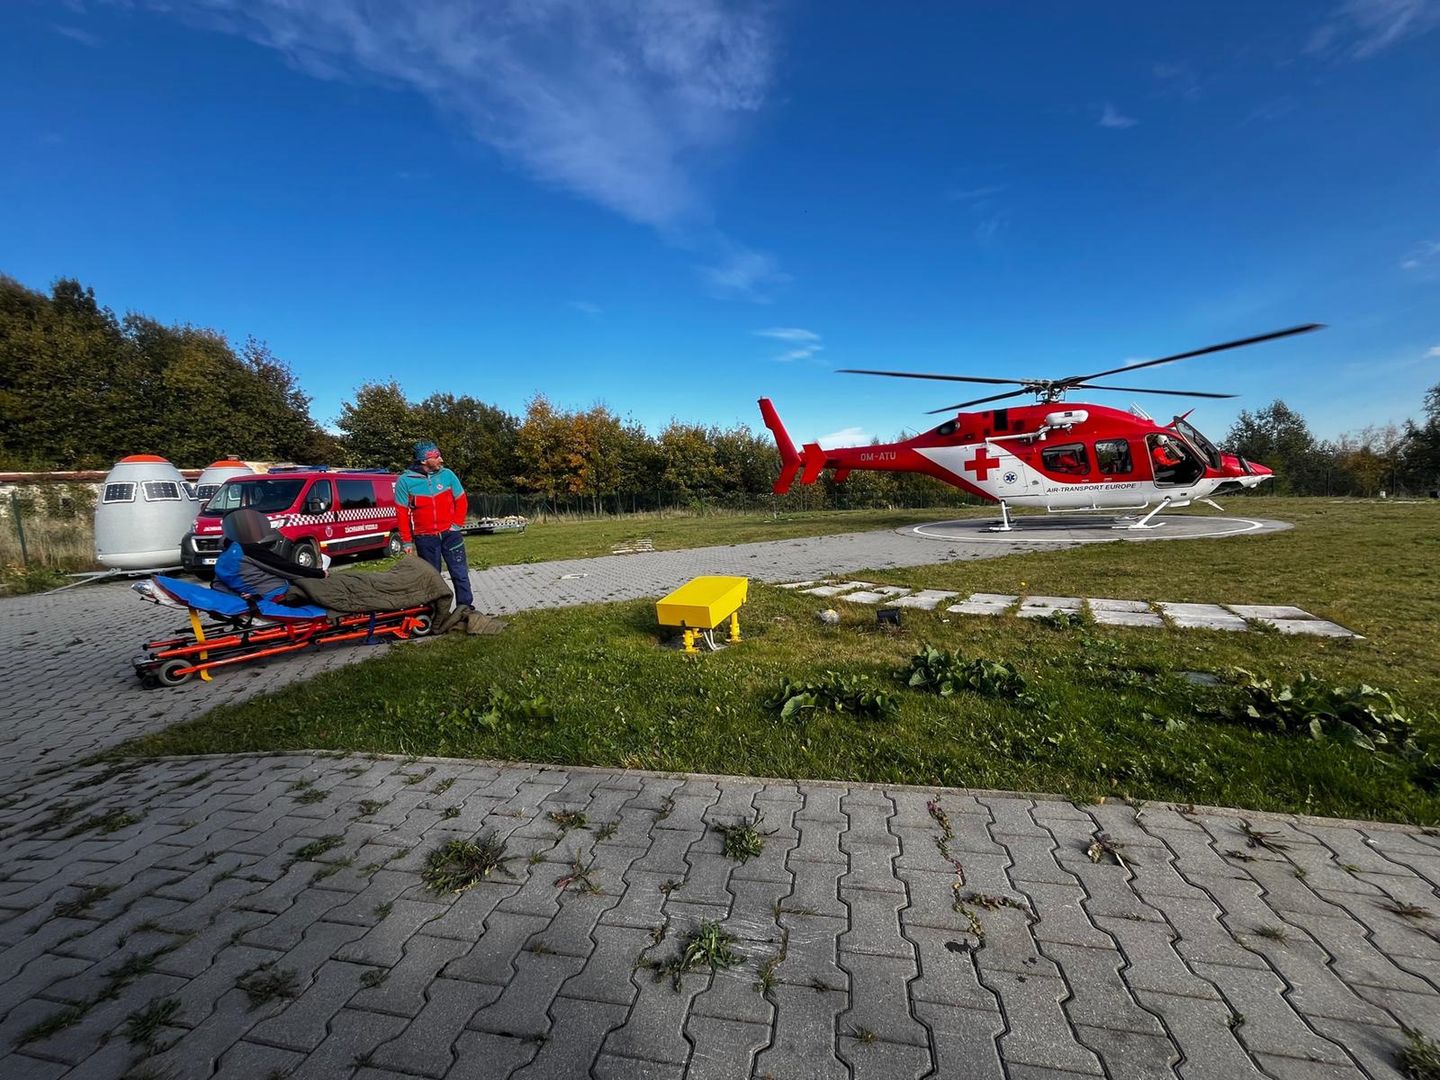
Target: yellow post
column 734, row 627
column 690, row 641
column 200, row 637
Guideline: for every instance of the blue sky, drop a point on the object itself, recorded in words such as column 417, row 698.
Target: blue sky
column 676, row 206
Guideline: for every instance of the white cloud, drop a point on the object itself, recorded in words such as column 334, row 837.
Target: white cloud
column 1112, row 118
column 742, row 273
column 1433, row 352
column 622, row 102
column 789, row 333
column 1421, row 256
column 585, row 307
column 850, row 436
column 804, row 343
column 74, row 33
column 1360, row 29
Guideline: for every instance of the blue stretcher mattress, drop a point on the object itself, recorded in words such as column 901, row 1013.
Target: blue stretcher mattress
column 203, row 598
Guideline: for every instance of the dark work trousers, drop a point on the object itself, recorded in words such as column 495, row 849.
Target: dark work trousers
column 449, row 546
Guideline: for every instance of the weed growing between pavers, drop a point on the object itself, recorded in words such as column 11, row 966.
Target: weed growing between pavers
column 1419, row 1059
column 457, row 865
column 54, row 1023
column 743, row 841
column 1120, row 716
column 265, row 984
column 579, row 877
column 1406, row 910
column 708, row 946
column 312, row 851
column 142, row 1025
column 1105, row 846
column 89, row 896
column 567, row 819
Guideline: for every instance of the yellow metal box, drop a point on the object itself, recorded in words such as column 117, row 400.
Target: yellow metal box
column 702, row 604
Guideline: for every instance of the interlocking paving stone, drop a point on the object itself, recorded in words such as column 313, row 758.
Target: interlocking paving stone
column 1141, row 971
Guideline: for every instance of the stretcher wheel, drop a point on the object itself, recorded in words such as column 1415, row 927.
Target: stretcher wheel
column 168, row 673
column 421, row 626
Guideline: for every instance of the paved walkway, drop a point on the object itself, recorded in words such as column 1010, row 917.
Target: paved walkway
column 265, row 916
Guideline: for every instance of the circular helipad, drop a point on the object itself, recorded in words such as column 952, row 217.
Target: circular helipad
column 1090, row 529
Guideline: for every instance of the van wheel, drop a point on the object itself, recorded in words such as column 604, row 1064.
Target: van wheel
column 394, row 546
column 307, row 554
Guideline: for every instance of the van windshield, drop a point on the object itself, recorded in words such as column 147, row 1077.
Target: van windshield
column 267, row 496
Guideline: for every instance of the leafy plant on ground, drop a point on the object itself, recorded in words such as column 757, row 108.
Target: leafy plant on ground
column 1061, row 620
column 313, row 850
column 943, row 672
column 1419, row 1059
column 833, row 692
column 709, row 945
column 1362, row 716
column 743, row 841
column 457, row 865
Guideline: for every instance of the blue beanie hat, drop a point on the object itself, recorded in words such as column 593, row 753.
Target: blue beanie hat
column 424, row 449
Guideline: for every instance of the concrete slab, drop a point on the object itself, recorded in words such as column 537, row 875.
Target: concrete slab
column 1317, row 627
column 1202, row 617
column 1035, row 607
column 836, row 590
column 1269, row 611
column 1127, row 618
column 984, row 604
column 1101, row 604
column 877, row 594
column 925, row 599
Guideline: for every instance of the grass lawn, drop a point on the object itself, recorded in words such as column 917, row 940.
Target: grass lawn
column 549, row 540
column 1115, row 712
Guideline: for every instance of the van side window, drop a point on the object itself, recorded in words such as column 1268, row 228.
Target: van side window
column 1113, row 456
column 1066, row 459
column 357, row 495
column 321, row 495
column 161, row 491
column 119, row 493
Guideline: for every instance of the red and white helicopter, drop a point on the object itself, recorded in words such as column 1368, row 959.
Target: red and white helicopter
column 1087, row 457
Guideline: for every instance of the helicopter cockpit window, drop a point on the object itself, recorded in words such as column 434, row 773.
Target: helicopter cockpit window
column 1070, row 459
column 1113, row 457
column 1192, row 434
column 947, row 428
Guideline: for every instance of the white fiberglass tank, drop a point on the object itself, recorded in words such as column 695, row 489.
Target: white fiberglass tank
column 143, row 511
column 215, row 474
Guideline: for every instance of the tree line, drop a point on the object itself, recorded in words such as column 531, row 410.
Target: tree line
column 81, row 387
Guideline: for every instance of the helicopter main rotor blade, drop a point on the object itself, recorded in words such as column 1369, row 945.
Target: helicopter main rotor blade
column 1305, row 329
column 918, row 375
column 978, row 401
column 1147, row 390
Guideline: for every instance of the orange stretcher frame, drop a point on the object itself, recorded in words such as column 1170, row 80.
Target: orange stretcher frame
column 206, row 648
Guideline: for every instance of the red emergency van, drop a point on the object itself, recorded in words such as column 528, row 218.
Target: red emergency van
column 319, row 510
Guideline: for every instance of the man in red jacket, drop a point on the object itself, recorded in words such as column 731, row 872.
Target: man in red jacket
column 430, row 507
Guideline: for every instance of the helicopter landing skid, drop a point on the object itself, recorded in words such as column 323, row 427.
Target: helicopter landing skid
column 1144, row 522
column 1004, row 525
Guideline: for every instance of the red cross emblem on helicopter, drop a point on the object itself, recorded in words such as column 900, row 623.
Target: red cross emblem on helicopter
column 981, row 464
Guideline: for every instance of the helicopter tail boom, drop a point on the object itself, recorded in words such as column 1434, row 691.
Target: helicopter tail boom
column 790, row 461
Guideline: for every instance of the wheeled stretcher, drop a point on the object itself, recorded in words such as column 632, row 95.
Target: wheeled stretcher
column 226, row 630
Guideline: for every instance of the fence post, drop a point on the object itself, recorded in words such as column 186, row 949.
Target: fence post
column 20, row 530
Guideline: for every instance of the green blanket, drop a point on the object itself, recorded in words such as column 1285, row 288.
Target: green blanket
column 412, row 582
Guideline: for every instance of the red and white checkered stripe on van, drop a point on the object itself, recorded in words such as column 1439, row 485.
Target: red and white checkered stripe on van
column 339, row 515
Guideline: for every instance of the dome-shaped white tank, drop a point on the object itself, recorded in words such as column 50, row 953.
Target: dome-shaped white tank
column 143, row 511
column 215, row 474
